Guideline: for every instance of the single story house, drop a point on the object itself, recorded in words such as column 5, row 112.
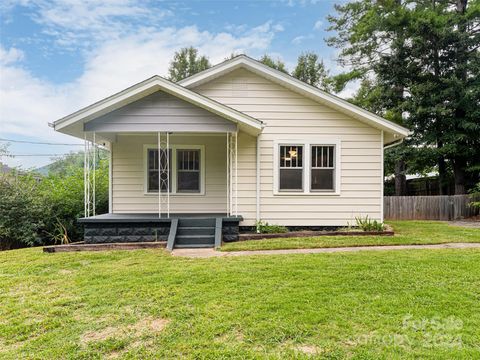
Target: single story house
column 232, row 145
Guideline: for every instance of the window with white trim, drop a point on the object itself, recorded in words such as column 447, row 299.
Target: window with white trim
column 188, row 170
column 310, row 166
column 322, row 171
column 184, row 175
column 291, row 168
column 153, row 170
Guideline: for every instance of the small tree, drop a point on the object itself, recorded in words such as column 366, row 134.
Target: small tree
column 310, row 69
column 185, row 63
column 274, row 64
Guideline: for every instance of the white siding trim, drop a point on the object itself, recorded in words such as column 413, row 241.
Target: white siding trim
column 257, row 169
column 173, row 179
column 307, row 144
column 382, row 177
column 110, row 180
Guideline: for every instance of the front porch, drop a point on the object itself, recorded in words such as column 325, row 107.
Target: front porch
column 178, row 230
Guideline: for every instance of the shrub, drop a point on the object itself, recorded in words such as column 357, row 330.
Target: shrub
column 266, row 228
column 367, row 224
column 21, row 211
column 475, row 197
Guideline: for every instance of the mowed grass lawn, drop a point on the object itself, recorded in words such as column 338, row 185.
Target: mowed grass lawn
column 406, row 233
column 148, row 304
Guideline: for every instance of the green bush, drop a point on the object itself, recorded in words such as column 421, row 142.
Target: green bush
column 475, row 196
column 38, row 210
column 367, row 224
column 266, row 228
column 21, row 211
column 64, row 201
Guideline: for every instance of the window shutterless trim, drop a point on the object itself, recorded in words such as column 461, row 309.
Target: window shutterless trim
column 321, row 167
column 307, row 144
column 173, row 179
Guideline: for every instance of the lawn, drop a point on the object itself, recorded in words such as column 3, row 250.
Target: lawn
column 406, row 233
column 147, row 304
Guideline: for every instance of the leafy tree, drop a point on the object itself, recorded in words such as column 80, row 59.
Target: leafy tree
column 185, row 63
column 311, row 70
column 275, row 64
column 423, row 57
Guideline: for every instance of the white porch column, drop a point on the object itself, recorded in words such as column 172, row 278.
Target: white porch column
column 163, row 173
column 232, row 160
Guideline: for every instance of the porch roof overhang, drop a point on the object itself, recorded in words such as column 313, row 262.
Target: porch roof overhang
column 392, row 131
column 75, row 124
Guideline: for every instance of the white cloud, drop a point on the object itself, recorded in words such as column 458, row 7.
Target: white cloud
column 11, row 55
column 318, row 25
column 301, row 38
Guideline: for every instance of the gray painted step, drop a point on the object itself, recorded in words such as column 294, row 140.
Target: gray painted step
column 193, row 246
column 193, row 222
column 195, row 239
column 196, row 230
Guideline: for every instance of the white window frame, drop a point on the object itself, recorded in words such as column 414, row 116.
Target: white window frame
column 311, row 167
column 307, row 163
column 173, row 178
column 292, row 168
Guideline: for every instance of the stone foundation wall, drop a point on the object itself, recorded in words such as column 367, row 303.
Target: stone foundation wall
column 97, row 233
column 230, row 231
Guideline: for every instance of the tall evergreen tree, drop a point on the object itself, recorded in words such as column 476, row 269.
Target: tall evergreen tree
column 185, row 63
column 275, row 64
column 310, row 69
column 424, row 57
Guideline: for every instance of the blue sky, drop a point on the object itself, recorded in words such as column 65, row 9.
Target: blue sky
column 57, row 56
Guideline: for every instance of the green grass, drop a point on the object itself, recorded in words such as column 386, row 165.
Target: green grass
column 402, row 304
column 406, row 232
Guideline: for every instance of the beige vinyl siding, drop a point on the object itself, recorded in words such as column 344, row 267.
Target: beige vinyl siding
column 288, row 115
column 128, row 192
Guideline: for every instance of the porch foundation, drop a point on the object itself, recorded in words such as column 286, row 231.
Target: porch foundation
column 131, row 228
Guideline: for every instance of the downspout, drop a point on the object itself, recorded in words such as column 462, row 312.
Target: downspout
column 258, row 179
column 382, row 181
column 110, row 178
column 395, row 143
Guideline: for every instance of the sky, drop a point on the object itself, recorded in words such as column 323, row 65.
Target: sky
column 59, row 56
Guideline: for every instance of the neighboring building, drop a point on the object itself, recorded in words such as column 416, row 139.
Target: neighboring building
column 239, row 141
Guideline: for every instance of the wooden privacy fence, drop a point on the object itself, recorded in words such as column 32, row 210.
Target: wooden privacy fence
column 441, row 207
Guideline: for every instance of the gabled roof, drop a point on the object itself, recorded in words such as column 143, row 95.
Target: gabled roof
column 243, row 61
column 147, row 87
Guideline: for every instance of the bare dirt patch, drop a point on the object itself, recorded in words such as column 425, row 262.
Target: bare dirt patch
column 100, row 335
column 308, row 349
column 142, row 327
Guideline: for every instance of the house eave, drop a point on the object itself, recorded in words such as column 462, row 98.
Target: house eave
column 147, row 87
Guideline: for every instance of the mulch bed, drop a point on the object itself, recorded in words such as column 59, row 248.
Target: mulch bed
column 104, row 247
column 387, row 232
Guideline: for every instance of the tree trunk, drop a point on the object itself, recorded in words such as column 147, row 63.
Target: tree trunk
column 459, row 165
column 400, row 179
column 442, row 173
